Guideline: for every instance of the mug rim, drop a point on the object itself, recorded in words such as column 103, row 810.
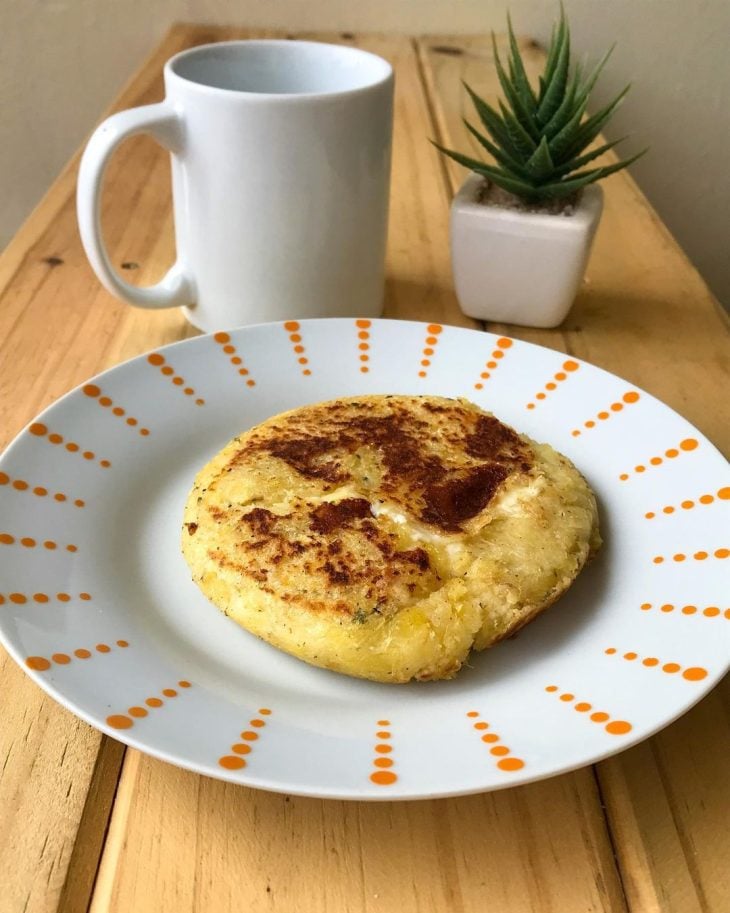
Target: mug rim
column 171, row 73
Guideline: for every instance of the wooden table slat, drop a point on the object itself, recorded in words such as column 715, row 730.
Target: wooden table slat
column 57, row 782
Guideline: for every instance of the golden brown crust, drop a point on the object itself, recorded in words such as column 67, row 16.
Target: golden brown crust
column 442, row 460
column 384, row 536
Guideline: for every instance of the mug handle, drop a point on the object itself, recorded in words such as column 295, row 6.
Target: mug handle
column 165, row 124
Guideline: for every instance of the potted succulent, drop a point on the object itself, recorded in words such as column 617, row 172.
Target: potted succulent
column 522, row 225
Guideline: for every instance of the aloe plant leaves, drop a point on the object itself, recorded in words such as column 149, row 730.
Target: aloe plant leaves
column 556, row 78
column 501, row 178
column 538, row 137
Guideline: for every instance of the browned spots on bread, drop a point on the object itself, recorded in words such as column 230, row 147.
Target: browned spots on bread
column 440, row 462
column 490, row 439
column 417, row 556
column 308, row 455
column 332, row 515
column 443, row 461
column 260, row 520
column 458, row 498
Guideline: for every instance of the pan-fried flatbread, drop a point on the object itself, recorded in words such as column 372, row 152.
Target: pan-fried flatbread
column 387, row 536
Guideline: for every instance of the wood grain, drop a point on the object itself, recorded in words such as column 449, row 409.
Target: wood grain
column 183, row 842
column 668, row 801
column 177, row 841
column 57, row 784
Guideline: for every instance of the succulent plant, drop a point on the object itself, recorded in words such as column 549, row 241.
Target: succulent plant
column 538, row 137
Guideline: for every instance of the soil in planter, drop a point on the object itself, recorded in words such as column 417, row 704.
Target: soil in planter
column 491, row 195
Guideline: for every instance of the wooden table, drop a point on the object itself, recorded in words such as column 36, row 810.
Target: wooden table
column 88, row 824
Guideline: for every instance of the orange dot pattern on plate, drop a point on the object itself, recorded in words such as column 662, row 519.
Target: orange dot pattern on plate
column 38, row 429
column 30, row 542
column 41, row 664
column 433, row 332
column 507, row 761
column 685, row 446
column 612, row 726
column 383, row 774
column 224, row 340
column 126, row 721
column 39, row 490
column 722, row 494
column 691, row 673
column 569, row 367
column 293, row 328
column 235, row 760
column 628, row 399
column 94, row 392
column 23, row 598
column 701, row 555
column 363, row 345
column 710, row 611
column 158, row 361
column 503, row 343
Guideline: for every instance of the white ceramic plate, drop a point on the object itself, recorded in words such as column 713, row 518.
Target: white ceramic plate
column 98, row 607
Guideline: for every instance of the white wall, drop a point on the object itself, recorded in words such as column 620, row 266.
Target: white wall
column 676, row 55
column 61, row 62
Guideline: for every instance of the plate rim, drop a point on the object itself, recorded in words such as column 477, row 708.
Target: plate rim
column 397, row 792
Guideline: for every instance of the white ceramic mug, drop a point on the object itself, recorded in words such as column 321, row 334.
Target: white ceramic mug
column 280, row 174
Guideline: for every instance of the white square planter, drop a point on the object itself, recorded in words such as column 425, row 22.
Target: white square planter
column 519, row 267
